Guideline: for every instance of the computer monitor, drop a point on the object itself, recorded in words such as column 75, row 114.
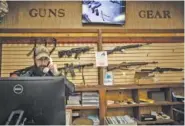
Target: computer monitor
column 41, row 98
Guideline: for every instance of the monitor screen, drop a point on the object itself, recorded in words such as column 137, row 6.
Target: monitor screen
column 42, row 99
column 103, row 11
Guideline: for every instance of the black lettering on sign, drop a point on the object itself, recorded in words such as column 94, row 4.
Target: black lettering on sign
column 158, row 15
column 42, row 12
column 33, row 12
column 53, row 12
column 150, row 14
column 142, row 14
column 166, row 14
column 61, row 13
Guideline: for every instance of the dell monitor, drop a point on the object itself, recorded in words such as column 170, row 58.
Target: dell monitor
column 40, row 100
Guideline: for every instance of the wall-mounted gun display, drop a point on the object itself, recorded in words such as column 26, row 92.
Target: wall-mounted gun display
column 126, row 65
column 69, row 68
column 120, row 48
column 76, row 51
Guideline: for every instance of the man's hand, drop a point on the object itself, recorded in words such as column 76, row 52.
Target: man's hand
column 54, row 69
column 14, row 75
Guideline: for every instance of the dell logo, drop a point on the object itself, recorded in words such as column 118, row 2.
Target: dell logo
column 18, row 89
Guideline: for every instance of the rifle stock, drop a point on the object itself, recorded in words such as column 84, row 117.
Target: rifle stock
column 55, row 44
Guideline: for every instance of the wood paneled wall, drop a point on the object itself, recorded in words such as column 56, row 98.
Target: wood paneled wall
column 168, row 55
column 14, row 57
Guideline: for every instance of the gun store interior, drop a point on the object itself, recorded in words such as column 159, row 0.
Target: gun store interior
column 91, row 62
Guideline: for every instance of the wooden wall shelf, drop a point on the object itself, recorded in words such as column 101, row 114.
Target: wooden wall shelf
column 104, row 107
column 164, row 103
column 82, row 107
column 164, row 121
column 125, row 87
column 122, row 106
column 89, row 88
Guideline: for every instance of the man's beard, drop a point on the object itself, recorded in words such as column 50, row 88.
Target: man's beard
column 39, row 70
column 41, row 67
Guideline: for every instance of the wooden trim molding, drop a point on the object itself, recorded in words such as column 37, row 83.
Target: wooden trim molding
column 143, row 39
column 48, row 34
column 51, row 30
column 30, row 40
column 4, row 30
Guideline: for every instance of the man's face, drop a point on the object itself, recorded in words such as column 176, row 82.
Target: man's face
column 42, row 62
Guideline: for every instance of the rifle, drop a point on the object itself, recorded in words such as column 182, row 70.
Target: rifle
column 77, row 51
column 126, row 65
column 161, row 70
column 55, row 44
column 33, row 49
column 70, row 68
column 146, row 73
column 120, row 48
column 45, row 42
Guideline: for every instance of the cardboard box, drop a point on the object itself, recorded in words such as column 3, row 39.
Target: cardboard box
column 144, row 81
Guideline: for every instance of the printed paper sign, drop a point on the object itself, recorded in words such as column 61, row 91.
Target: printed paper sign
column 108, row 78
column 101, row 59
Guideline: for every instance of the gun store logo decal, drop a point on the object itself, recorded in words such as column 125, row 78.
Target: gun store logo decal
column 18, row 89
